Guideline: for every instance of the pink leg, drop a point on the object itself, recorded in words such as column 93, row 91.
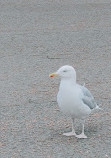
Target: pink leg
column 82, row 135
column 72, row 133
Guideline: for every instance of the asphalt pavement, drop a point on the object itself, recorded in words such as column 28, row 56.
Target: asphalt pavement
column 36, row 38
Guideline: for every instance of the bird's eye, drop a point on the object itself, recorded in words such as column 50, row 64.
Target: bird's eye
column 65, row 71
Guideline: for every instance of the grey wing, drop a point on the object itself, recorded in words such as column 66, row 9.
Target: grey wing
column 87, row 98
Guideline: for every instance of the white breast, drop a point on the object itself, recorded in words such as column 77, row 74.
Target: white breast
column 69, row 101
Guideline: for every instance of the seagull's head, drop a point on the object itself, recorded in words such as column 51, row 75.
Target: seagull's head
column 65, row 72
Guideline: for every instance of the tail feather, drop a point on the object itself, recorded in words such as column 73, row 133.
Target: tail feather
column 98, row 108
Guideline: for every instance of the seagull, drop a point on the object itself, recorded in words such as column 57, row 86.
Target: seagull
column 73, row 99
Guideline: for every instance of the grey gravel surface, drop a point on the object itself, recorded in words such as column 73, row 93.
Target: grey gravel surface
column 36, row 38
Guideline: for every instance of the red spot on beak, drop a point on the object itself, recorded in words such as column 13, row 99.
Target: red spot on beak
column 51, row 76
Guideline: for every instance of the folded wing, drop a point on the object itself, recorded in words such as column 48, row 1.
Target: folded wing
column 87, row 98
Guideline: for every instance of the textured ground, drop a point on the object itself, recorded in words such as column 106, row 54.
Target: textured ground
column 36, row 38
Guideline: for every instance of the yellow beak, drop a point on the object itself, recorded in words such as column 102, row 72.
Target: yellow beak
column 53, row 74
